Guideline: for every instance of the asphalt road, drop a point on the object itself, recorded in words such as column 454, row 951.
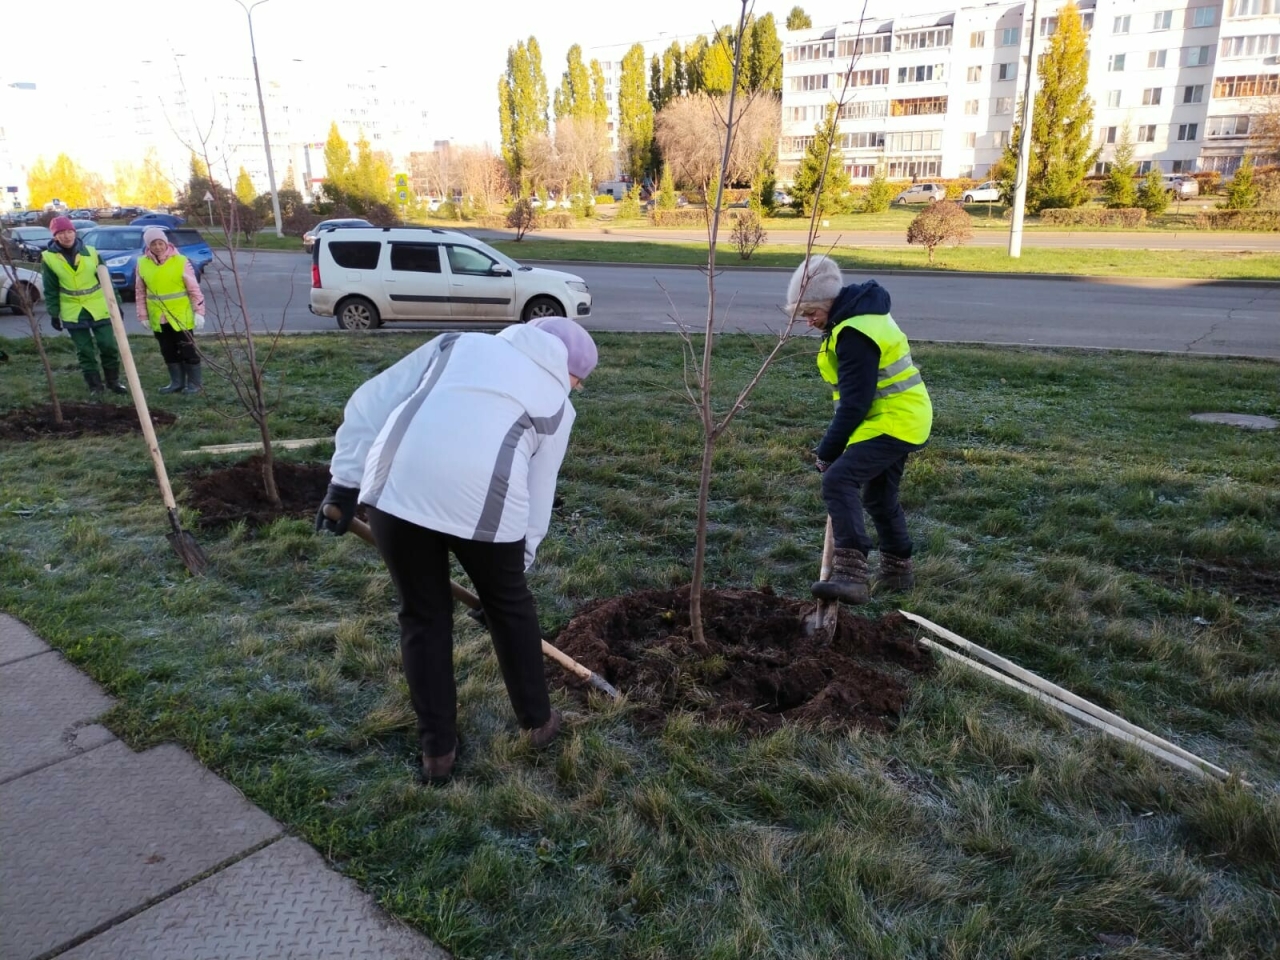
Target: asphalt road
column 1198, row 317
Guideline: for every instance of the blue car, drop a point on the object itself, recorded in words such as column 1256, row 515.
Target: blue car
column 120, row 248
column 157, row 220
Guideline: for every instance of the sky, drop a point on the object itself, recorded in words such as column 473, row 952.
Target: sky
column 451, row 54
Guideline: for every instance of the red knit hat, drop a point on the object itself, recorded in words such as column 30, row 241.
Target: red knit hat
column 58, row 224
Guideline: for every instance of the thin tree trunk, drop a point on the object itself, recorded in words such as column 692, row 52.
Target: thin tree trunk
column 48, row 370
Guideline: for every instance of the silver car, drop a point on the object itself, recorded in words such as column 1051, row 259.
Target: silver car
column 1181, row 187
column 922, row 193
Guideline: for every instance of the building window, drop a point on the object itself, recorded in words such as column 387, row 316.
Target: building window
column 1163, row 20
column 1198, row 56
column 1193, row 94
column 812, row 81
column 861, row 141
column 1258, row 46
column 922, row 74
column 1257, row 85
column 1144, row 167
column 1147, row 133
column 1010, row 36
column 1113, row 98
column 1006, row 71
column 974, row 75
column 1048, row 26
column 914, row 141
column 1203, row 16
column 903, row 168
column 1107, row 135
column 1254, row 8
column 812, row 51
column 917, row 106
column 1120, row 25
column 1003, row 106
column 1237, row 126
column 861, row 109
column 863, row 45
column 970, row 140
column 923, row 39
column 860, row 171
column 1102, row 168
column 1115, row 63
column 1187, row 131
column 1000, row 139
column 978, row 39
column 869, row 78
column 1155, row 59
column 971, row 108
column 796, row 144
column 1151, row 96
column 967, row 171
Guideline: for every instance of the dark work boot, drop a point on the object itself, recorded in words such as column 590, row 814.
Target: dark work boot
column 113, row 380
column 896, row 574
column 543, row 735
column 848, row 583
column 95, row 383
column 436, row 771
column 177, row 378
column 195, row 378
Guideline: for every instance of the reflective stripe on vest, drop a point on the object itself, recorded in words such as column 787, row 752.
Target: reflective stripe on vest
column 78, row 286
column 901, row 407
column 167, row 299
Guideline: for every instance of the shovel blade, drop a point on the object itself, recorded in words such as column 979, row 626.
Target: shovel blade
column 188, row 551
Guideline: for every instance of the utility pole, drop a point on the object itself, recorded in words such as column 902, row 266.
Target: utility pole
column 1024, row 145
column 262, row 113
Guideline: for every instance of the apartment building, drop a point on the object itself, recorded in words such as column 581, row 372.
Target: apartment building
column 933, row 93
column 610, row 57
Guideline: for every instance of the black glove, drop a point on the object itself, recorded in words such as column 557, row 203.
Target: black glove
column 821, row 464
column 345, row 499
column 56, row 323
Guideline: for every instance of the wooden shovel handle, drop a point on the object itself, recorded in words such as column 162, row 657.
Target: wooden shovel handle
column 135, row 387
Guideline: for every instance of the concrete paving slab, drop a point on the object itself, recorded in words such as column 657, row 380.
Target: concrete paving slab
column 17, row 641
column 96, row 837
column 282, row 902
column 44, row 704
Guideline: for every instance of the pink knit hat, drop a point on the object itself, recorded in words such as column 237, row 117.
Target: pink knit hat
column 153, row 233
column 58, row 224
column 582, row 349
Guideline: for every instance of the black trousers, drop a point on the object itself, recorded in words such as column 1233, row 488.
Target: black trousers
column 868, row 474
column 177, row 346
column 418, row 561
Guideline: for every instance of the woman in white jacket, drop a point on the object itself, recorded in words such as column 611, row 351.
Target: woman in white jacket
column 456, row 449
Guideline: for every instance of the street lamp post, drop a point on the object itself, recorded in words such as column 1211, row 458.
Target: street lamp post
column 262, row 112
column 1024, row 146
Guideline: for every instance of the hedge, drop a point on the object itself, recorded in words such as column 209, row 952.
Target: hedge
column 679, row 218
column 1267, row 221
column 1094, row 217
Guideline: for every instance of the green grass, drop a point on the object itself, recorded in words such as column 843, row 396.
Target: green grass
column 1177, row 264
column 1066, row 514
column 259, row 241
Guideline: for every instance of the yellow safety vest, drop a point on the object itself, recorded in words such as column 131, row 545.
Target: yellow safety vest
column 78, row 287
column 167, row 299
column 901, row 407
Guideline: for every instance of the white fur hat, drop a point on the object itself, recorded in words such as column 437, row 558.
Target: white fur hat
column 814, row 281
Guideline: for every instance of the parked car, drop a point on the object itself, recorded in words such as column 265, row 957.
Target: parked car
column 19, row 285
column 127, row 213
column 781, row 198
column 83, row 214
column 366, row 277
column 83, row 225
column 983, row 192
column 25, row 243
column 120, row 247
column 922, row 193
column 309, row 238
column 1181, row 187
column 157, row 220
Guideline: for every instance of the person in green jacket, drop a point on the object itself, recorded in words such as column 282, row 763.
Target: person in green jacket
column 75, row 300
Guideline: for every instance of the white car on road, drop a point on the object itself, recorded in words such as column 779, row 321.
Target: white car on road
column 366, row 277
column 18, row 284
column 983, row 193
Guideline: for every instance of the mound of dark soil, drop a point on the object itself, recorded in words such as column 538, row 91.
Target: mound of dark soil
column 225, row 495
column 78, row 420
column 756, row 667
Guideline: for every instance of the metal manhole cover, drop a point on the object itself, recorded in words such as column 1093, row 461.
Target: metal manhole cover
column 1245, row 420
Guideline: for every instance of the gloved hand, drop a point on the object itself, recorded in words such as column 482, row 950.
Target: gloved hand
column 55, row 323
column 821, row 464
column 199, row 321
column 345, row 499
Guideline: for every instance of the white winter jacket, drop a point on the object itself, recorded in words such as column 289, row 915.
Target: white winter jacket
column 464, row 436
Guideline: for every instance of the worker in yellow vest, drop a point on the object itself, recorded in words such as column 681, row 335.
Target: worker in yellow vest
column 171, row 303
column 76, row 301
column 882, row 415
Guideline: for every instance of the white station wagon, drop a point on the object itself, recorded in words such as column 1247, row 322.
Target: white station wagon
column 366, row 277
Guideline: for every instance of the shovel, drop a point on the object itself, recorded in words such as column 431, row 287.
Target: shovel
column 469, row 599
column 826, row 615
column 184, row 545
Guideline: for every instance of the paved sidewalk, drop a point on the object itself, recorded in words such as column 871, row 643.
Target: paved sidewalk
column 115, row 855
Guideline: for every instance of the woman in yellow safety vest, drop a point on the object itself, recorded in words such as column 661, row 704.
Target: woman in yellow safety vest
column 882, row 415
column 75, row 300
column 171, row 303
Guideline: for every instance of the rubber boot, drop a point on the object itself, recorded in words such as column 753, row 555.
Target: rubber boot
column 896, row 574
column 95, row 383
column 177, row 378
column 195, row 378
column 848, row 583
column 113, row 381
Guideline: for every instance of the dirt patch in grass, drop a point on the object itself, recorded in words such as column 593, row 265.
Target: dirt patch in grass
column 756, row 666
column 78, row 420
column 225, row 495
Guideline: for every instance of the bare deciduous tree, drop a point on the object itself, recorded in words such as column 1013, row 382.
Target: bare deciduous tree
column 582, row 150
column 690, row 131
column 24, row 296
column 484, row 176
